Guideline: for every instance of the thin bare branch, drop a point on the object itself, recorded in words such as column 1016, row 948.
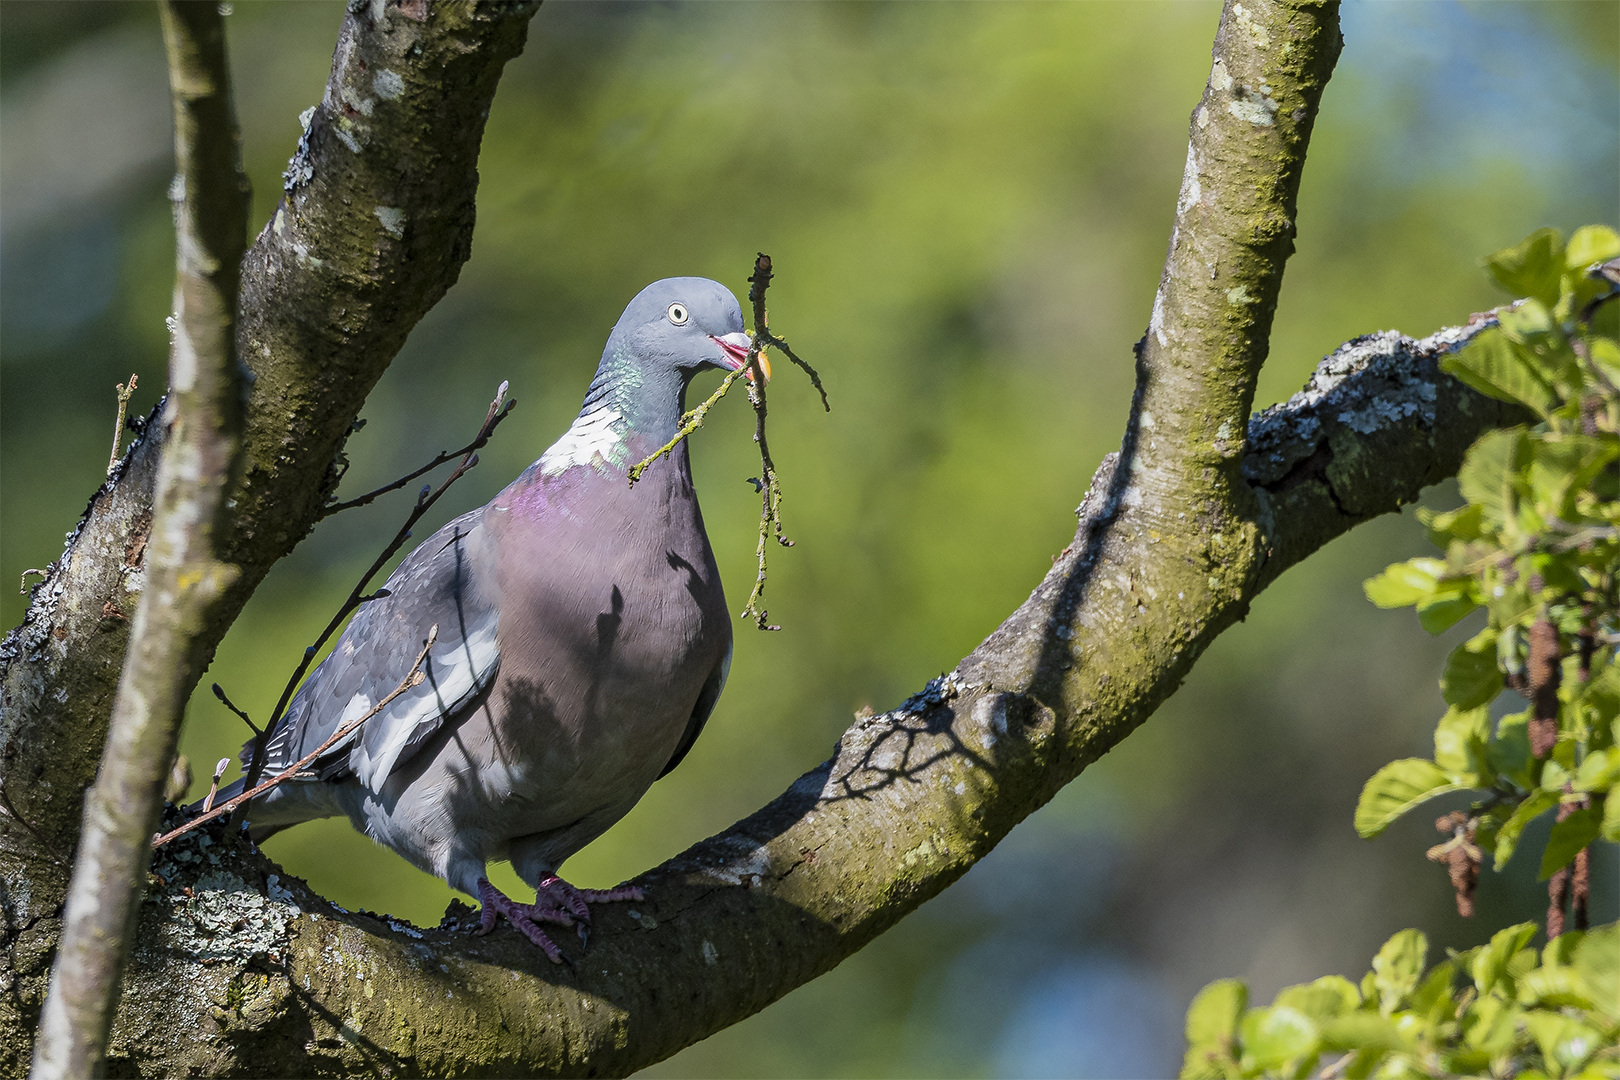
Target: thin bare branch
column 219, row 692
column 491, row 421
column 412, row 678
column 185, row 578
column 125, row 392
column 815, row 376
column 357, row 595
column 770, row 487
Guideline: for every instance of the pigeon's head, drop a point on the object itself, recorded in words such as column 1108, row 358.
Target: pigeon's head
column 682, row 326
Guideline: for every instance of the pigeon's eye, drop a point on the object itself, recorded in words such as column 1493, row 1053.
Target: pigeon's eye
column 678, row 314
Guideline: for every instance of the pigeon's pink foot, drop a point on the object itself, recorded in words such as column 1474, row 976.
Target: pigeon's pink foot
column 523, row 916
column 557, row 893
column 555, row 901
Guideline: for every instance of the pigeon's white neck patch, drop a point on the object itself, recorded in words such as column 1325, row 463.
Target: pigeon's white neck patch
column 593, row 436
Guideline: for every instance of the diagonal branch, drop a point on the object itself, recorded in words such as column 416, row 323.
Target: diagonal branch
column 1180, row 531
column 186, row 577
column 909, row 801
column 373, row 230
column 413, row 678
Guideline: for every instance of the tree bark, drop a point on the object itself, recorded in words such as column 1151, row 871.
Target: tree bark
column 239, row 969
column 373, row 228
column 202, row 420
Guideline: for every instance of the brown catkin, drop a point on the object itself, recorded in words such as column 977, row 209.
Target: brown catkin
column 1542, row 674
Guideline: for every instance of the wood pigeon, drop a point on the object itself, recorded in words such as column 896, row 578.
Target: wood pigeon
column 583, row 641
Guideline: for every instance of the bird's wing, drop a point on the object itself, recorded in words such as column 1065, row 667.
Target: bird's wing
column 707, row 697
column 440, row 583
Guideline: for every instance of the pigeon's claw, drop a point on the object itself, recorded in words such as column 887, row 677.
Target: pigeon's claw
column 524, row 917
column 555, row 901
column 559, row 894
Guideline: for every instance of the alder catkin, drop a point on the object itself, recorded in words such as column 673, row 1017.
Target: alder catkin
column 1542, row 673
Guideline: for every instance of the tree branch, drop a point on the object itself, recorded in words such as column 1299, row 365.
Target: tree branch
column 239, row 969
column 909, row 801
column 185, row 576
column 374, row 230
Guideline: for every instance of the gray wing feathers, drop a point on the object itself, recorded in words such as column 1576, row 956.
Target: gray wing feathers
column 441, row 582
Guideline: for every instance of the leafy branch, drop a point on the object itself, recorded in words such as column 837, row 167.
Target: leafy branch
column 1537, row 546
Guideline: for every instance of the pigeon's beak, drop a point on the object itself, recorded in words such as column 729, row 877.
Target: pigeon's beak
column 736, row 350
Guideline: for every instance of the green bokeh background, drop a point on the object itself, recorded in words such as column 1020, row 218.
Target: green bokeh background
column 968, row 206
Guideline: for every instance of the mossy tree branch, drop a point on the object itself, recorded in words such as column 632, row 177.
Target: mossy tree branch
column 373, row 229
column 909, row 802
column 185, row 576
column 1197, row 513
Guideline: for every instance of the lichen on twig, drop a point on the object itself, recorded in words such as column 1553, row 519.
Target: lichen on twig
column 767, row 484
column 690, row 422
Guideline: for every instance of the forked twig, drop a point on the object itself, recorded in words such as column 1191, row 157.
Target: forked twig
column 357, row 596
column 815, row 377
column 768, row 485
column 491, row 421
column 412, row 679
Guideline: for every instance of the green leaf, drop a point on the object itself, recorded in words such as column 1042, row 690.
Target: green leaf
column 1591, row 244
column 1432, row 1000
column 1489, row 469
column 1395, row 789
column 1361, row 1031
column 1459, row 743
column 1490, row 1025
column 1597, row 958
column 1499, row 367
column 1275, row 1035
column 1509, row 751
column 1560, row 951
column 1322, row 999
column 1397, row 966
column 1605, row 354
column 1562, row 467
column 1599, row 771
column 1568, row 837
column 1490, row 964
column 1602, row 695
column 1554, row 988
column 1207, row 1063
column 1610, row 829
column 1471, row 678
column 1565, row 1042
column 1405, row 583
column 1535, row 804
column 1531, row 268
column 1460, row 524
column 1528, row 322
column 1212, row 1018
column 1438, row 616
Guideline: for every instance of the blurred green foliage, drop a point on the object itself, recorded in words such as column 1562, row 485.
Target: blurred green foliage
column 968, row 206
column 1537, row 546
column 1497, row 1009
